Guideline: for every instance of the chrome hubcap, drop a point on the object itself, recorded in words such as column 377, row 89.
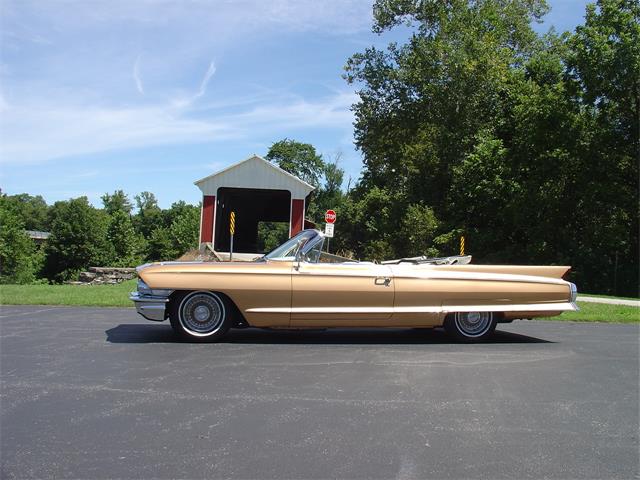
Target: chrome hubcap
column 473, row 324
column 201, row 314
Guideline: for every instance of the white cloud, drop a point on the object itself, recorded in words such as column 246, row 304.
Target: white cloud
column 205, row 80
column 72, row 95
column 136, row 76
column 39, row 133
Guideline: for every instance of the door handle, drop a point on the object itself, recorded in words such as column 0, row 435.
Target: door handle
column 382, row 281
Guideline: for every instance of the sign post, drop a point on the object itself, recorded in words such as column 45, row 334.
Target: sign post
column 330, row 218
column 232, row 231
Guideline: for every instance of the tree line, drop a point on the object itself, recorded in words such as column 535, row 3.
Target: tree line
column 84, row 236
column 124, row 233
column 525, row 143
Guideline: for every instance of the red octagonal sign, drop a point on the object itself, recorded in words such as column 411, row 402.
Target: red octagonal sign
column 330, row 216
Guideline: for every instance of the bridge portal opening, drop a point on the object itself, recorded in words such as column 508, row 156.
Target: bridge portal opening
column 253, row 207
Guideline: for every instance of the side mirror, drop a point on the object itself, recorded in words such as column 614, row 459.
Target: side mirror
column 298, row 259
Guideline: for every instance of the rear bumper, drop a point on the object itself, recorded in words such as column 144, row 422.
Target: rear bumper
column 149, row 306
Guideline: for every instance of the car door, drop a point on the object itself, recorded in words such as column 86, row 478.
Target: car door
column 341, row 294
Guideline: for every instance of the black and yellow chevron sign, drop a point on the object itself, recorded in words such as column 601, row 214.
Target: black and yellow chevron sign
column 461, row 245
column 232, row 223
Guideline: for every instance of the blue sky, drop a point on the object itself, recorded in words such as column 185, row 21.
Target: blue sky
column 153, row 95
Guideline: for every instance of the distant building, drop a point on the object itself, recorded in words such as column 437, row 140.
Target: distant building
column 257, row 191
column 38, row 237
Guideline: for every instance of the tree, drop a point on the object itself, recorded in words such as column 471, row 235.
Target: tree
column 20, row 259
column 329, row 195
column 169, row 243
column 527, row 144
column 160, row 245
column 78, row 239
column 127, row 245
column 422, row 103
column 299, row 159
column 118, row 201
column 604, row 77
column 149, row 215
column 31, row 209
column 184, row 230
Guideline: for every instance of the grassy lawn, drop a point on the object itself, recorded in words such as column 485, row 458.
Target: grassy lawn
column 85, row 295
column 601, row 312
column 118, row 296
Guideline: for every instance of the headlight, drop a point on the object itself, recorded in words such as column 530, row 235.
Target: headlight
column 143, row 288
column 574, row 292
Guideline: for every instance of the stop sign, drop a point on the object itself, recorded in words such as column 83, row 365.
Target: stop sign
column 330, row 216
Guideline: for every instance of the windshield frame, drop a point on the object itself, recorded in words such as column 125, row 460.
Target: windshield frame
column 301, row 242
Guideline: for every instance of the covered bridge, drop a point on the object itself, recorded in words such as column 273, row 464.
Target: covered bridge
column 257, row 191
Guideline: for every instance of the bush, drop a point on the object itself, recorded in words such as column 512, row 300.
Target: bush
column 20, row 258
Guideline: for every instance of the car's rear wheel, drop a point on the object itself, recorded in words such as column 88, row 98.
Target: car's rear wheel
column 200, row 316
column 470, row 326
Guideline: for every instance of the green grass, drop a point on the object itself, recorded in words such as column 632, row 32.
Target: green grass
column 85, row 295
column 601, row 312
column 118, row 296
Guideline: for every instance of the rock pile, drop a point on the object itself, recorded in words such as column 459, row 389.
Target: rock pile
column 105, row 276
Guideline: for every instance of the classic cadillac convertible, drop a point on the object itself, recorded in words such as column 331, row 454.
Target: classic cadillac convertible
column 298, row 285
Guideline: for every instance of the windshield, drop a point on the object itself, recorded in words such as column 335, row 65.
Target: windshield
column 289, row 249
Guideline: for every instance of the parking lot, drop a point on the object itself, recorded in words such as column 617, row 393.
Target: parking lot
column 102, row 393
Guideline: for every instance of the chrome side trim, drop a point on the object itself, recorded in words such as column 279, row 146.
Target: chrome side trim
column 537, row 307
column 433, row 274
column 149, row 306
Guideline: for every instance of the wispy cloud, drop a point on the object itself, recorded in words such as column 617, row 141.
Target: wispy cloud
column 136, row 75
column 205, row 80
column 39, row 133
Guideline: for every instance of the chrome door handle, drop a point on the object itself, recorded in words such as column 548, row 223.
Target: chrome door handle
column 382, row 281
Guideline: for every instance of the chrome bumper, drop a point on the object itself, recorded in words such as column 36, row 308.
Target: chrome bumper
column 150, row 307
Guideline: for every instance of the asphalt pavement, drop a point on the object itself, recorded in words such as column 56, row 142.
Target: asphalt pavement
column 103, row 393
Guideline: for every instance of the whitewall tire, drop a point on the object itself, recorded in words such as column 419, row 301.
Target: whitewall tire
column 200, row 316
column 470, row 326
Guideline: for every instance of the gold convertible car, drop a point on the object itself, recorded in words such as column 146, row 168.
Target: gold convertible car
column 298, row 285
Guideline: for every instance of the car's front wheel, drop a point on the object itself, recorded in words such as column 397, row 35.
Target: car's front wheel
column 470, row 326
column 200, row 316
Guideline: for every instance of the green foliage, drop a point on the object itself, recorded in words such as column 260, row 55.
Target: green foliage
column 272, row 234
column 78, row 239
column 149, row 215
column 32, row 210
column 299, row 159
column 127, row 245
column 302, row 160
column 184, row 230
column 527, row 144
column 417, row 232
column 171, row 242
column 20, row 259
column 160, row 245
column 329, row 196
column 117, row 202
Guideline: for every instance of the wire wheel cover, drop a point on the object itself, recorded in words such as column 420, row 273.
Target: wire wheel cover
column 473, row 324
column 201, row 313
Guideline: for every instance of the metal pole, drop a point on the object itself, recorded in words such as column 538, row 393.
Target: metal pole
column 615, row 276
column 232, row 231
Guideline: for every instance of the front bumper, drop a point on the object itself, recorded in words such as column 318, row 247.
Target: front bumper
column 151, row 307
